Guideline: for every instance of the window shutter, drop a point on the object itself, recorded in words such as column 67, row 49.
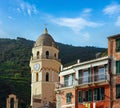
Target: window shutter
column 80, row 96
column 101, row 93
column 95, row 94
column 90, row 95
column 117, row 45
column 117, row 67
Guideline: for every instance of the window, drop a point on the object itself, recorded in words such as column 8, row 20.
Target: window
column 85, row 96
column 12, row 103
column 68, row 80
column 38, row 54
column 47, row 76
column 85, row 76
column 117, row 67
column 118, row 45
column 55, row 55
column 80, row 96
column 99, row 94
column 80, row 77
column 47, row 54
column 95, row 73
column 68, row 97
column 101, row 73
column 117, row 91
column 36, row 77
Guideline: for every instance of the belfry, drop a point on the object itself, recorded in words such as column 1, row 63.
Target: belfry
column 45, row 66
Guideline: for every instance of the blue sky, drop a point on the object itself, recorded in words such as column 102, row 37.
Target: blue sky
column 74, row 22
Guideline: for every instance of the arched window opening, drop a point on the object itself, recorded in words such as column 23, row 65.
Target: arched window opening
column 47, row 54
column 38, row 53
column 47, row 76
column 36, row 77
column 12, row 103
column 55, row 55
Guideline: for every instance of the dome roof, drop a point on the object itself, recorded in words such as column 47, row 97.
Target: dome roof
column 45, row 40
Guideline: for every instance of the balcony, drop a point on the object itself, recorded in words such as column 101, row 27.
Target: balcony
column 85, row 81
column 94, row 79
column 65, row 84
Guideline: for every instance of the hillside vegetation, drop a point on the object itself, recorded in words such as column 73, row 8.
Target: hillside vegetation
column 15, row 71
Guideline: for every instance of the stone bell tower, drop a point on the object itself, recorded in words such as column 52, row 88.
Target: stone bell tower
column 45, row 66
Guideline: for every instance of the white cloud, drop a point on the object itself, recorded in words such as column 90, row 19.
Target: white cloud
column 76, row 24
column 10, row 17
column 87, row 10
column 26, row 8
column 118, row 21
column 112, row 9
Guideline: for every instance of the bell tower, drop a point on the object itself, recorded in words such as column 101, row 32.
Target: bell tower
column 45, row 66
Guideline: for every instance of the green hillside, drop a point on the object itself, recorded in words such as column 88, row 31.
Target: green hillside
column 15, row 71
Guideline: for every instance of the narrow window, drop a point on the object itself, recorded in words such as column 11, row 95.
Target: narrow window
column 117, row 67
column 55, row 55
column 12, row 103
column 96, row 73
column 68, row 97
column 47, row 76
column 85, row 96
column 101, row 73
column 90, row 95
column 117, row 91
column 36, row 77
column 80, row 96
column 38, row 53
column 118, row 45
column 47, row 54
column 80, row 77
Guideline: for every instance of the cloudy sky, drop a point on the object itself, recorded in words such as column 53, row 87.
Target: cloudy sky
column 74, row 22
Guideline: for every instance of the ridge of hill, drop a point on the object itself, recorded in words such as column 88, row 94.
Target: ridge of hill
column 15, row 71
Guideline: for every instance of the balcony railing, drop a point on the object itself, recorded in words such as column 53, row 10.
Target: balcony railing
column 84, row 80
column 93, row 78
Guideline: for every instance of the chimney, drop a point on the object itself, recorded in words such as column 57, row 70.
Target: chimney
column 78, row 61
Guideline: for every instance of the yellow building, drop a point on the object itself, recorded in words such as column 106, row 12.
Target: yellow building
column 45, row 66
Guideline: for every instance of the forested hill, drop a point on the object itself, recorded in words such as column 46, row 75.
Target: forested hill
column 15, row 54
column 15, row 71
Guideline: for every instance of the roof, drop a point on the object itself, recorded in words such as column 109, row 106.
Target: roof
column 45, row 40
column 114, row 36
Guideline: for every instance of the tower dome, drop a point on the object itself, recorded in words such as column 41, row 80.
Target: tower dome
column 45, row 40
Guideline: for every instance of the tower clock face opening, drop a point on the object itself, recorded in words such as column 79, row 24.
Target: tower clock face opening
column 37, row 67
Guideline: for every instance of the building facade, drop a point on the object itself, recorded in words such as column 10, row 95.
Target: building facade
column 92, row 84
column 45, row 66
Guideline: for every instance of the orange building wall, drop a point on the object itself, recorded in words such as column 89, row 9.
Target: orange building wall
column 115, row 79
column 99, row 104
column 112, row 49
column 72, row 90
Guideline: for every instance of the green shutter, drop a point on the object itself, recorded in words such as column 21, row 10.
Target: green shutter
column 117, row 67
column 101, row 93
column 90, row 95
column 95, row 93
column 80, row 96
column 117, row 45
